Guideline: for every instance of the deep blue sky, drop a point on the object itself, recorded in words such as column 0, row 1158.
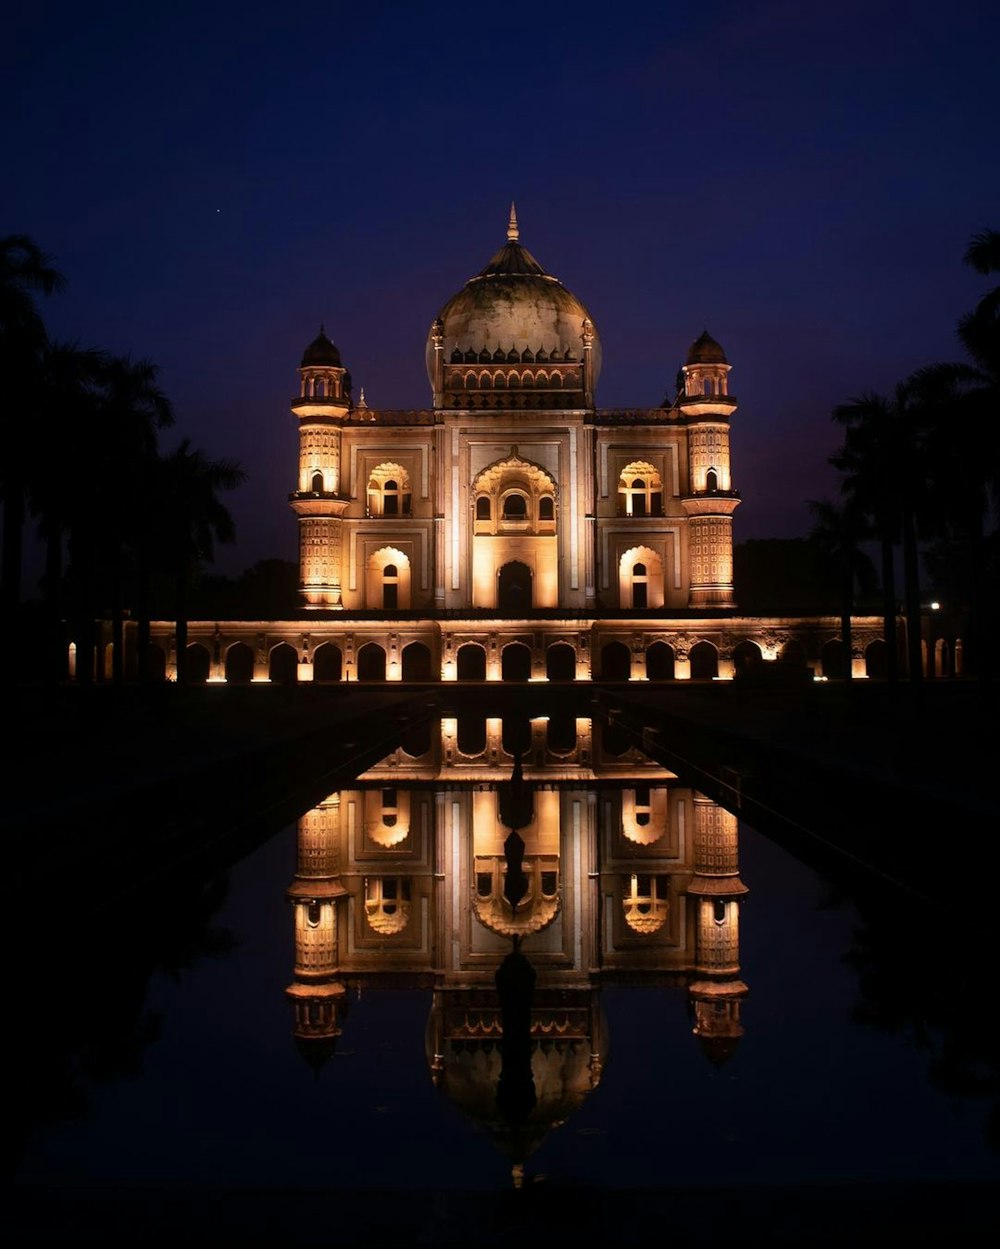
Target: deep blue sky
column 216, row 179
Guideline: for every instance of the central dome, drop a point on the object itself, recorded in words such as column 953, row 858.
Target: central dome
column 513, row 336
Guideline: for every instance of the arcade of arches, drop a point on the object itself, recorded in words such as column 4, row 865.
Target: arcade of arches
column 513, row 530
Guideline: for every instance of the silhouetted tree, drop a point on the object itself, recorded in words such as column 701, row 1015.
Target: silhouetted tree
column 838, row 534
column 190, row 520
column 883, row 462
column 114, row 470
column 25, row 271
column 965, row 396
column 70, row 382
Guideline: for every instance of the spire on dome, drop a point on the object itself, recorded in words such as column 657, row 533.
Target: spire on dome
column 513, row 234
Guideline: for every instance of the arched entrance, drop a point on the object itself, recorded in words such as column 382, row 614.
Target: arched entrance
column 875, row 665
column 239, row 664
column 704, row 661
column 471, row 663
column 515, row 664
column 560, row 662
column 283, row 665
column 371, row 662
column 417, row 663
column 471, row 735
column 832, row 660
column 560, row 734
column 660, row 662
column 328, row 663
column 198, row 664
column 616, row 662
column 514, row 587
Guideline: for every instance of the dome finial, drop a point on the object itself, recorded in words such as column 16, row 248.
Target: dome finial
column 513, row 234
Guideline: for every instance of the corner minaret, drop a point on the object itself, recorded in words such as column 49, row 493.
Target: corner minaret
column 323, row 404
column 706, row 407
column 716, row 891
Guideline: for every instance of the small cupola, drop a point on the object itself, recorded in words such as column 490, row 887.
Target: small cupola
column 323, row 376
column 706, row 369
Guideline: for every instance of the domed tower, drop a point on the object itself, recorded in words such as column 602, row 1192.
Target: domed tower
column 323, row 405
column 716, row 890
column 316, row 993
column 513, row 337
column 706, row 407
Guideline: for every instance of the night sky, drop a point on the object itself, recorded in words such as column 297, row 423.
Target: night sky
column 215, row 180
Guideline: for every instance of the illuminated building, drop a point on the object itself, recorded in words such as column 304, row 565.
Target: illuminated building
column 512, row 529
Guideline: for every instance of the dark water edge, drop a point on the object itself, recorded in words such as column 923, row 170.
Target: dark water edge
column 820, row 1130
column 541, row 1214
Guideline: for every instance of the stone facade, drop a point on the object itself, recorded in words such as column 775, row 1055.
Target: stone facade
column 512, row 529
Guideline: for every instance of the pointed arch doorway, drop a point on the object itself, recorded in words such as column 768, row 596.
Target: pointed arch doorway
column 514, row 588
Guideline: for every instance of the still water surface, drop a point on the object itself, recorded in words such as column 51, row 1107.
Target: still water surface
column 209, row 1087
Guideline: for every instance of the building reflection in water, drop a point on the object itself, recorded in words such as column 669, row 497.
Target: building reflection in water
column 624, row 876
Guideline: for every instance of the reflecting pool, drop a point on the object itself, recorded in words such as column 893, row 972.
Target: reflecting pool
column 692, row 1007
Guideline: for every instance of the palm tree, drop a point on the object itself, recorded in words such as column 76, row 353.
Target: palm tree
column 839, row 532
column 115, row 464
column 870, row 464
column 70, row 382
column 978, row 329
column 24, row 272
column 184, row 524
column 886, row 461
column 966, row 396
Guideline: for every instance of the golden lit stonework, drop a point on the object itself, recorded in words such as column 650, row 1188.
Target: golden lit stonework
column 512, row 529
column 626, row 876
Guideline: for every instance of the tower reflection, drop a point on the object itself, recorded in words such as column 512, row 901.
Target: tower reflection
column 514, row 872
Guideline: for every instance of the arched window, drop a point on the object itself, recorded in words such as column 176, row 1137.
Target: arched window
column 387, row 903
column 640, row 579
column 389, row 491
column 646, row 902
column 640, row 491
column 483, row 509
column 639, row 587
column 515, row 507
column 546, row 508
column 390, row 811
column 317, row 482
column 711, row 481
column 390, row 587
